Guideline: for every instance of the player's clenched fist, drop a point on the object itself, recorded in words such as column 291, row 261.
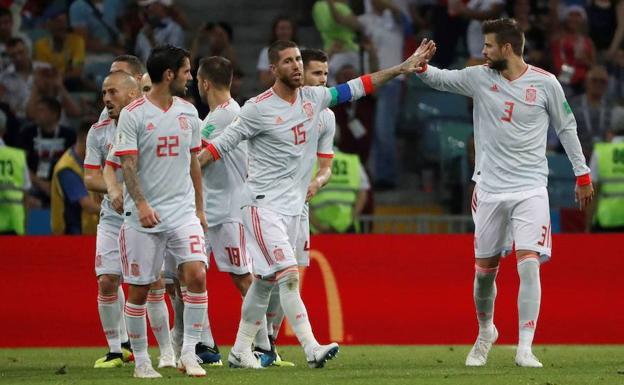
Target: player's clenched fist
column 147, row 215
column 116, row 199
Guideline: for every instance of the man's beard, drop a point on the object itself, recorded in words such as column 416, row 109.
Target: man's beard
column 499, row 65
column 180, row 92
column 290, row 82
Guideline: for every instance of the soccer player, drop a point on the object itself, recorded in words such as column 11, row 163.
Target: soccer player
column 157, row 310
column 514, row 104
column 223, row 185
column 118, row 90
column 158, row 140
column 315, row 73
column 279, row 124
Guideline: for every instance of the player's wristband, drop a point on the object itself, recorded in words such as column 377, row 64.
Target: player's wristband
column 583, row 180
column 423, row 69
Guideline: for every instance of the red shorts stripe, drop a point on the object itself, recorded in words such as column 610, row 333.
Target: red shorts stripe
column 258, row 233
column 122, row 250
column 243, row 247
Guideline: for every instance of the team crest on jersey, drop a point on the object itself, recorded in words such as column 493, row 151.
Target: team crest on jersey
column 184, row 124
column 279, row 255
column 134, row 270
column 531, row 95
column 308, row 109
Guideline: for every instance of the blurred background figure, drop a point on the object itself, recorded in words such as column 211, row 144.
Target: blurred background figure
column 62, row 49
column 607, row 167
column 45, row 141
column 14, row 186
column 214, row 39
column 572, row 50
column 283, row 28
column 96, row 22
column 158, row 28
column 7, row 32
column 74, row 210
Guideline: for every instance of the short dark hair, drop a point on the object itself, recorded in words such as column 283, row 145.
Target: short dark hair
column 165, row 57
column 6, row 12
column 506, row 31
column 311, row 54
column 52, row 104
column 278, row 47
column 217, row 69
column 136, row 66
column 14, row 41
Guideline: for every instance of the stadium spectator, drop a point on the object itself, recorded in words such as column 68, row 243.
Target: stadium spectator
column 44, row 143
column 63, row 50
column 606, row 25
column 532, row 22
column 572, row 50
column 335, row 208
column 616, row 77
column 14, row 186
column 592, row 109
column 7, row 32
column 17, row 80
column 48, row 83
column 214, row 39
column 476, row 11
column 607, row 214
column 158, row 28
column 73, row 210
column 282, row 29
column 339, row 41
column 387, row 35
column 354, row 120
column 96, row 22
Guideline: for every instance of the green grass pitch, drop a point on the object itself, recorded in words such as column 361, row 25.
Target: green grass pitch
column 378, row 365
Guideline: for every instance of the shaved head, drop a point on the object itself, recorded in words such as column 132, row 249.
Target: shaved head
column 118, row 90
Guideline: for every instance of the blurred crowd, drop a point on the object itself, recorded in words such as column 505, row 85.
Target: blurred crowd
column 54, row 55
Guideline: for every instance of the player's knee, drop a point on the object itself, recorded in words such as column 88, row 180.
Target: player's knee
column 242, row 282
column 108, row 284
column 158, row 285
column 289, row 280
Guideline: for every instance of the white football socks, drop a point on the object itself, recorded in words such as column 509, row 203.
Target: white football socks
column 253, row 312
column 275, row 314
column 529, row 297
column 137, row 331
column 295, row 309
column 110, row 316
column 206, row 334
column 484, row 297
column 121, row 300
column 158, row 315
column 195, row 313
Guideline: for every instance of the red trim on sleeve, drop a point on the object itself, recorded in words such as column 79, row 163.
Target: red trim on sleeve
column 328, row 156
column 204, row 143
column 367, row 81
column 196, row 149
column 113, row 164
column 126, row 152
column 583, row 180
column 423, row 70
column 213, row 150
column 92, row 166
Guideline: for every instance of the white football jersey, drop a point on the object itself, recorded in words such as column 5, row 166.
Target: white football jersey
column 224, row 181
column 99, row 144
column 511, row 120
column 163, row 141
column 279, row 134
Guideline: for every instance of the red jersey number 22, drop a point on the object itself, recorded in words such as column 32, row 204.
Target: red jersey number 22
column 508, row 112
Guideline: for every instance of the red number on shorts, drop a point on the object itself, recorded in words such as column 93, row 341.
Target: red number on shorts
column 234, row 255
column 197, row 244
column 168, row 146
column 508, row 112
column 544, row 234
column 300, row 135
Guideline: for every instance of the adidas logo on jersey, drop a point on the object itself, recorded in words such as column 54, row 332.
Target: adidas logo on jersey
column 494, row 88
column 150, row 126
column 279, row 120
